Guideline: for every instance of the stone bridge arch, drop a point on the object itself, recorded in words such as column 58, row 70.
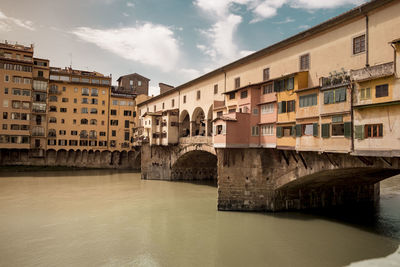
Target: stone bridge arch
column 194, row 162
column 273, row 180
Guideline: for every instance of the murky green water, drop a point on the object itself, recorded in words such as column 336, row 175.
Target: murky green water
column 101, row 218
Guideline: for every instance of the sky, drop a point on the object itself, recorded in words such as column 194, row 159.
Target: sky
column 168, row 41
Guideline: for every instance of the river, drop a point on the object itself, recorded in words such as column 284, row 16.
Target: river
column 110, row 218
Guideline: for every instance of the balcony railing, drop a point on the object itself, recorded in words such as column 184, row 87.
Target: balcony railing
column 373, row 72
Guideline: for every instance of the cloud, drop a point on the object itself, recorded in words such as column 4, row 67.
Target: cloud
column 149, row 44
column 318, row 4
column 130, row 4
column 125, row 14
column 7, row 23
column 303, row 27
column 287, row 20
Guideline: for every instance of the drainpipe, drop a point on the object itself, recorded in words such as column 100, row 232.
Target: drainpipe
column 394, row 59
column 366, row 41
column 352, row 116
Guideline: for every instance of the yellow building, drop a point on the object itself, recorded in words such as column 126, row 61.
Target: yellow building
column 78, row 110
column 16, row 64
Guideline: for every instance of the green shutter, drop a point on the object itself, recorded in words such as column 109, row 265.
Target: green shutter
column 280, row 107
column 381, row 130
column 283, row 107
column 298, row 130
column 331, row 97
column 315, row 129
column 326, row 97
column 278, row 131
column 326, row 130
column 347, row 129
column 293, row 131
column 337, row 95
column 359, row 132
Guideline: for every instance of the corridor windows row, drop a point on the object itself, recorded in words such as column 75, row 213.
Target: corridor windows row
column 308, row 100
column 286, row 106
column 64, row 142
column 9, row 139
column 267, row 108
column 16, row 116
column 335, row 96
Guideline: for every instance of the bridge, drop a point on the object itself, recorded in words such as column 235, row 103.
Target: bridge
column 292, row 126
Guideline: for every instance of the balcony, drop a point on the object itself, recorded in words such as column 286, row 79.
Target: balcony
column 372, row 72
column 38, row 131
column 39, row 108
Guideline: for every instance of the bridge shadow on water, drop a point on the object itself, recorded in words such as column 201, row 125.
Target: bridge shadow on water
column 207, row 182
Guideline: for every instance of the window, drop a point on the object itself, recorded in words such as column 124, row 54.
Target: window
column 94, row 101
column 6, row 91
column 95, row 92
column 308, row 100
column 64, row 99
column 267, row 129
column 155, row 108
column 243, row 94
column 115, row 102
column 63, row 109
column 62, row 132
column 74, row 132
column 85, row 100
column 40, row 73
column 266, row 74
column 172, row 102
column 338, row 129
column 307, row 129
column 163, row 105
column 359, row 44
column 93, row 111
column 215, row 89
column 255, row 111
column 6, row 78
column 126, row 136
column 267, row 108
column 365, row 93
column 102, row 133
column 75, row 110
column 74, row 121
column 5, row 103
column 267, row 89
column 254, row 131
column 198, row 94
column 114, row 112
column 52, row 120
column 84, row 121
column 284, row 84
column 237, row 83
column 64, row 89
column 131, row 82
column 286, row 106
column 122, row 103
column 93, row 122
column 232, row 95
column 381, row 90
column 285, row 131
column 85, row 91
column 373, row 130
column 219, row 114
column 139, row 83
column 75, row 89
column 84, row 110
column 127, row 113
column 184, row 99
column 335, row 96
column 103, row 103
column 232, row 110
column 305, row 62
column 5, row 115
column 114, row 122
column 53, row 109
column 16, row 91
column 113, row 133
column 126, row 124
column 4, row 126
column 26, row 92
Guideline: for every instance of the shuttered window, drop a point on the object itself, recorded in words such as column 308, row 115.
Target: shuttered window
column 335, row 96
column 299, row 130
column 326, row 130
column 278, row 131
column 381, row 90
column 308, row 100
column 315, row 129
column 359, row 132
column 347, row 129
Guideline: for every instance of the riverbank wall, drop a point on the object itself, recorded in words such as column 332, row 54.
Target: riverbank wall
column 80, row 159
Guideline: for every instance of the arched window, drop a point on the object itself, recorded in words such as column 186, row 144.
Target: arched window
column 84, row 121
column 93, row 122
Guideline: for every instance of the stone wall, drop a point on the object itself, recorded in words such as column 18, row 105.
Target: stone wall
column 273, row 180
column 81, row 159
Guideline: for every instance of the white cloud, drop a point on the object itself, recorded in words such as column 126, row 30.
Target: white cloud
column 7, row 23
column 125, row 14
column 149, row 44
column 154, row 90
column 287, row 20
column 317, row 4
column 188, row 73
column 130, row 4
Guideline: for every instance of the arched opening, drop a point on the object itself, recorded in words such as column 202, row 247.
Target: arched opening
column 198, row 122
column 209, row 121
column 195, row 165
column 184, row 121
column 329, row 188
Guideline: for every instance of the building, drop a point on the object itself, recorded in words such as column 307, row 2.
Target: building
column 78, row 110
column 134, row 83
column 331, row 88
column 16, row 72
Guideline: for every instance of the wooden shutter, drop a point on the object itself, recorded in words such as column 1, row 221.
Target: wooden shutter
column 223, row 128
column 326, row 97
column 326, row 130
column 283, row 106
column 278, row 131
column 298, row 130
column 293, row 132
column 347, row 129
column 315, row 129
column 380, row 126
column 359, row 132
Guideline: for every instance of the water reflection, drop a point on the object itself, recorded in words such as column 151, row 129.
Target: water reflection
column 112, row 218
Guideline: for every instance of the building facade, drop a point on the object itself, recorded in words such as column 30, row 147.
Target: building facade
column 332, row 88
